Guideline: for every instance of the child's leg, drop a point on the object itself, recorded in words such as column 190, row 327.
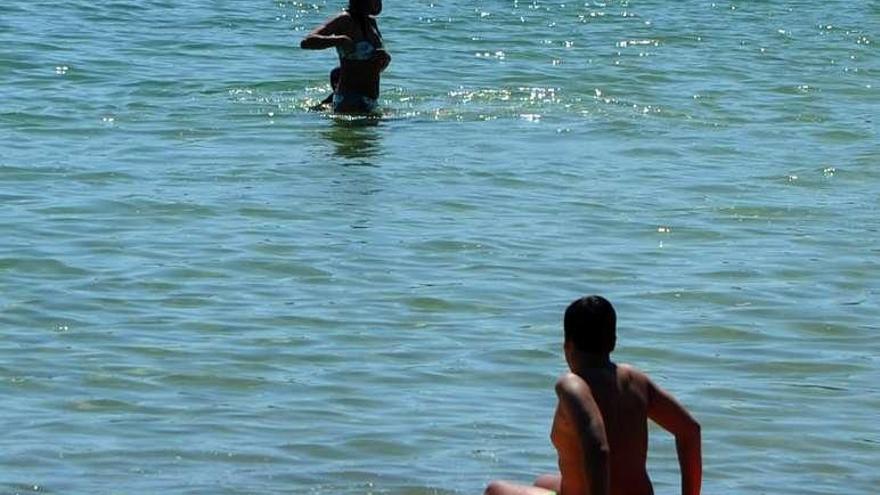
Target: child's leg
column 506, row 488
column 552, row 482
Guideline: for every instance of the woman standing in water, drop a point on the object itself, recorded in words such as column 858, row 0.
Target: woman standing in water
column 356, row 37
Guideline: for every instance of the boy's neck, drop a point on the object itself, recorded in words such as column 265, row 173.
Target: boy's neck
column 589, row 360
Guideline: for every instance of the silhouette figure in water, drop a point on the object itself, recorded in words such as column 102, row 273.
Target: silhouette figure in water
column 355, row 35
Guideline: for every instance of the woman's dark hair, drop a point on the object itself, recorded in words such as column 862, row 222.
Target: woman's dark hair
column 591, row 325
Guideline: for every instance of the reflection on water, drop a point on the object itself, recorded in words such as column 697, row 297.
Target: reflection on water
column 355, row 139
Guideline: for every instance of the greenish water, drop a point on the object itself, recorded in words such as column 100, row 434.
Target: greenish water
column 206, row 288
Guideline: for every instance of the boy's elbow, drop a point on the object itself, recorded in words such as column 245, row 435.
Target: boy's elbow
column 597, row 450
column 599, row 461
column 602, row 454
column 304, row 44
column 692, row 431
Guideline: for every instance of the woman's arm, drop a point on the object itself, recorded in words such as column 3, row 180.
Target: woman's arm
column 330, row 35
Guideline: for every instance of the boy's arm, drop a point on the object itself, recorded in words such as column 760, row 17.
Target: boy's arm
column 576, row 401
column 674, row 418
column 327, row 35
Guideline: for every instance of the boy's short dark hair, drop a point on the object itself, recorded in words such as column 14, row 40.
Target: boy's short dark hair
column 591, row 325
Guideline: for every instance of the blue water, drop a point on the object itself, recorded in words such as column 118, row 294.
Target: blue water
column 205, row 287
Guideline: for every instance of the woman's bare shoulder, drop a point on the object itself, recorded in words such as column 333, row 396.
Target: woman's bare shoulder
column 341, row 20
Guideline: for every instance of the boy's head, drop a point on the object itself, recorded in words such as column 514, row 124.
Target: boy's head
column 591, row 325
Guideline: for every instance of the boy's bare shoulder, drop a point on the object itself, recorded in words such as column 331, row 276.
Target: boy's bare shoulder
column 635, row 378
column 569, row 384
column 631, row 372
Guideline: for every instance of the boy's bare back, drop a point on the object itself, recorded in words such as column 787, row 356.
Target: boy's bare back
column 621, row 399
column 624, row 398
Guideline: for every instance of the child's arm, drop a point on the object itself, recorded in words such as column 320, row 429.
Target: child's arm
column 674, row 418
column 327, row 35
column 382, row 59
column 577, row 403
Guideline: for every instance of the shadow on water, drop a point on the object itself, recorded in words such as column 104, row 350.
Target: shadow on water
column 355, row 140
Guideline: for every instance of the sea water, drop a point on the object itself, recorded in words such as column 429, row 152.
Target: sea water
column 207, row 288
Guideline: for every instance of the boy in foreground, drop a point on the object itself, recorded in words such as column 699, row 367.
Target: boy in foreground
column 600, row 429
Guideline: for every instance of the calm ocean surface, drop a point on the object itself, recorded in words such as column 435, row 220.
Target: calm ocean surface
column 206, row 288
